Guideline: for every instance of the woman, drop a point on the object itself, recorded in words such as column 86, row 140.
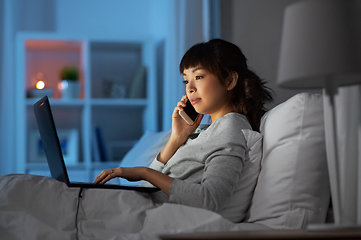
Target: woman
column 206, row 171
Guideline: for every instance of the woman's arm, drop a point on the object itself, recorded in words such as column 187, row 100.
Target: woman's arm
column 219, row 181
column 136, row 174
column 180, row 132
column 224, row 154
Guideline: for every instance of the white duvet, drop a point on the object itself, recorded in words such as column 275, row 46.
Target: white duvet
column 35, row 207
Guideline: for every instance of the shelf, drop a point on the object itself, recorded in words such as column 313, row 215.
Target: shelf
column 58, row 102
column 54, row 45
column 119, row 102
column 94, row 102
column 48, row 57
column 118, row 96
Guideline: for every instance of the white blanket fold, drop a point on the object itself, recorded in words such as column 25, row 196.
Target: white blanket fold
column 35, row 207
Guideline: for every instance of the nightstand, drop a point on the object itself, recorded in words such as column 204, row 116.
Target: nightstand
column 267, row 235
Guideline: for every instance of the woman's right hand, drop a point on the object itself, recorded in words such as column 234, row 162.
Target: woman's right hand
column 180, row 128
column 180, row 132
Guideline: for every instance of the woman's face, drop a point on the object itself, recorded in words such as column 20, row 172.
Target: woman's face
column 206, row 92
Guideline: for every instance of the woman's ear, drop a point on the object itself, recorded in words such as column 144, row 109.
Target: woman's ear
column 232, row 81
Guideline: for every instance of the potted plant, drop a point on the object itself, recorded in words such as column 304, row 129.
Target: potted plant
column 70, row 85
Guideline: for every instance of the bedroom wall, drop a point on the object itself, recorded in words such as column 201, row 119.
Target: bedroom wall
column 256, row 26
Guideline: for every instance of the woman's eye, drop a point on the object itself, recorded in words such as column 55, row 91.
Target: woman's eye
column 198, row 77
column 185, row 82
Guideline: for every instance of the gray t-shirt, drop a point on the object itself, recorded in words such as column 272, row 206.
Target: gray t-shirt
column 207, row 169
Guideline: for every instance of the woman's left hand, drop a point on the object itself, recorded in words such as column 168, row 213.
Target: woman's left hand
column 135, row 174
column 131, row 174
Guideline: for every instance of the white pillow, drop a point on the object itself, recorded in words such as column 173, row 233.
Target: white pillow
column 293, row 186
column 144, row 151
column 149, row 145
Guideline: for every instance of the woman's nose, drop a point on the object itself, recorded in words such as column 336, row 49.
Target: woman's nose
column 190, row 88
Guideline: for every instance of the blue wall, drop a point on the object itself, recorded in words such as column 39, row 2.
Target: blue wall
column 136, row 17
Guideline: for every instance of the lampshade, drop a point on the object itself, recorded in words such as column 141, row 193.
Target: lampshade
column 320, row 41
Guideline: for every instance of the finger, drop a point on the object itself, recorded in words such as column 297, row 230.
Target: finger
column 99, row 177
column 97, row 180
column 184, row 98
column 182, row 103
column 199, row 118
column 107, row 178
column 103, row 175
column 179, row 107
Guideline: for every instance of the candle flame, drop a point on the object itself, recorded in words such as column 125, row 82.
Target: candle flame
column 40, row 85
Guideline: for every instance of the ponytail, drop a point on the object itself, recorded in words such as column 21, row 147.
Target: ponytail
column 250, row 97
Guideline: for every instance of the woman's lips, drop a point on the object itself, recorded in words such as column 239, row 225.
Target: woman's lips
column 194, row 101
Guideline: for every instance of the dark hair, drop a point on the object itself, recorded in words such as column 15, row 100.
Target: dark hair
column 222, row 59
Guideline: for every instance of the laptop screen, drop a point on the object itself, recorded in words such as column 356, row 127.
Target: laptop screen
column 50, row 140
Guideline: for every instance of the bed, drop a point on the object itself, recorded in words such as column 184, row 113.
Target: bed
column 292, row 190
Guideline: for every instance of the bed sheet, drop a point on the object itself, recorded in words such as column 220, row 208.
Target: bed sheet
column 36, row 207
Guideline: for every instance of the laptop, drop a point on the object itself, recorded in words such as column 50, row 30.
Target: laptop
column 54, row 155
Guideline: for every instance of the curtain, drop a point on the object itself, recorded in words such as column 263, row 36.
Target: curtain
column 193, row 21
column 7, row 79
column 348, row 111
column 347, row 104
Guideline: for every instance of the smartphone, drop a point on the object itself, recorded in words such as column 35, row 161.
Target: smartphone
column 189, row 114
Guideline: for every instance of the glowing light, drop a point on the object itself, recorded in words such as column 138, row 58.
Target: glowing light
column 40, row 85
